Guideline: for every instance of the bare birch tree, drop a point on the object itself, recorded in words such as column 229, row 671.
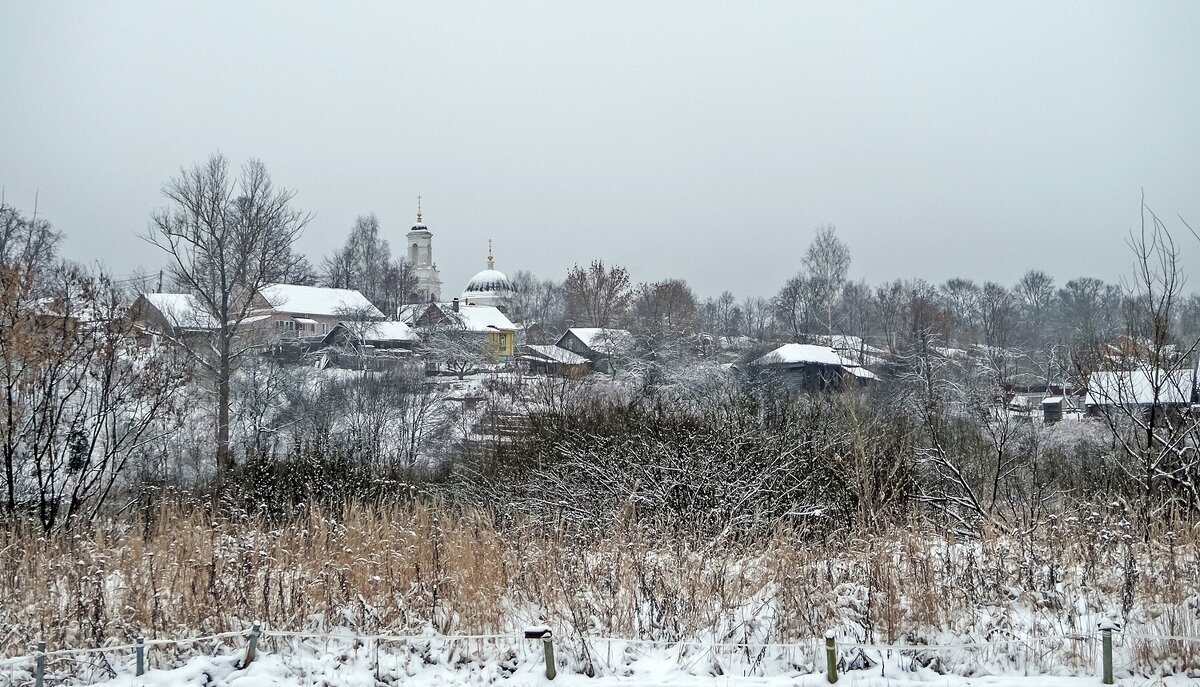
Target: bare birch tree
column 226, row 237
column 827, row 261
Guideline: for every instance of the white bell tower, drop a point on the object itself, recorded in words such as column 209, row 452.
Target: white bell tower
column 420, row 255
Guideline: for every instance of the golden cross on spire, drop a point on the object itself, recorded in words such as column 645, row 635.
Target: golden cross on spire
column 418, row 209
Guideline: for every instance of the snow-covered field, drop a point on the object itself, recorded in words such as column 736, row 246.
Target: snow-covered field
column 343, row 660
column 337, row 669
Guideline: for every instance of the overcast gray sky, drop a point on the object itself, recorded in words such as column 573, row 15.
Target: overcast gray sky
column 693, row 140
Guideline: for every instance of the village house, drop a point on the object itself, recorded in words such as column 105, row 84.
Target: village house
column 1151, row 392
column 598, row 344
column 812, row 367
column 552, row 360
column 367, row 346
column 309, row 311
column 484, row 322
column 177, row 315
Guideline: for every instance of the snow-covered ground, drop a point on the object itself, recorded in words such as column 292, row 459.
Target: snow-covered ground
column 338, row 670
column 433, row 661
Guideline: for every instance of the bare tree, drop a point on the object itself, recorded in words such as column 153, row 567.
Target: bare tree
column 1089, row 310
column 757, row 315
column 450, row 347
column 226, row 238
column 796, row 305
column 827, row 261
column 365, row 264
column 536, row 305
column 80, row 399
column 961, row 298
column 1036, row 297
column 665, row 307
column 28, row 244
column 1144, row 390
column 596, row 295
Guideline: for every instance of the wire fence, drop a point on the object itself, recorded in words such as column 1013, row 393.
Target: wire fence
column 1022, row 654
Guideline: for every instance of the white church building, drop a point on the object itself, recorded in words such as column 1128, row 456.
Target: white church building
column 489, row 287
column 420, row 256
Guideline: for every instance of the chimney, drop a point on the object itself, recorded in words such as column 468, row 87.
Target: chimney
column 454, row 304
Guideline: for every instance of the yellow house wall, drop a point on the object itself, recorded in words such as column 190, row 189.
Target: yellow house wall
column 505, row 351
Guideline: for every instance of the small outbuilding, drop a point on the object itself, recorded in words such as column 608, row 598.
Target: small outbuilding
column 812, row 367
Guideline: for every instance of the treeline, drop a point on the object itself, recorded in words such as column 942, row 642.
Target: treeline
column 98, row 419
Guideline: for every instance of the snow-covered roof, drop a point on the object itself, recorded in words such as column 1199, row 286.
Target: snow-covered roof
column 480, row 318
column 317, row 300
column 388, row 331
column 849, row 343
column 795, row 353
column 409, row 313
column 1138, row 387
column 950, row 352
column 604, row 340
column 182, row 310
column 556, row 354
column 488, row 282
column 800, row 354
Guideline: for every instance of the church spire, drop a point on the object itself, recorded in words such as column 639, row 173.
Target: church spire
column 418, row 209
column 491, row 260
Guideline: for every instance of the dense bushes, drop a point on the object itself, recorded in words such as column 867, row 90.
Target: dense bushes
column 742, row 463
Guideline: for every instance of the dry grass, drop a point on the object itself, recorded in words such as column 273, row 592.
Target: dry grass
column 412, row 567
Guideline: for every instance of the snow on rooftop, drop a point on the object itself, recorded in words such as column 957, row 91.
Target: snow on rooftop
column 800, row 354
column 795, row 353
column 849, row 343
column 480, row 318
column 182, row 310
column 388, row 331
column 604, row 340
column 488, row 282
column 556, row 354
column 1139, row 387
column 316, row 300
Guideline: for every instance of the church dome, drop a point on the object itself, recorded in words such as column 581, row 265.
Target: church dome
column 489, row 281
column 489, row 287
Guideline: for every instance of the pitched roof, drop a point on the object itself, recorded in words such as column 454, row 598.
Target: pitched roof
column 472, row 318
column 388, row 331
column 800, row 354
column 480, row 318
column 555, row 354
column 1138, row 387
column 603, row 340
column 182, row 310
column 317, row 300
column 848, row 343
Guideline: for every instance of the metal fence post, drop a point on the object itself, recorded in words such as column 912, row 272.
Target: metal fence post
column 252, row 647
column 1106, row 630
column 140, row 647
column 543, row 633
column 830, row 658
column 39, row 671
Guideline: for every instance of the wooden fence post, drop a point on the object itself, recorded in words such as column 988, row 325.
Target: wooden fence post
column 39, row 671
column 252, row 647
column 1106, row 630
column 543, row 633
column 140, row 647
column 830, row 658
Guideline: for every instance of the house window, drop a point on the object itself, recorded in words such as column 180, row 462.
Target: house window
column 503, row 342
